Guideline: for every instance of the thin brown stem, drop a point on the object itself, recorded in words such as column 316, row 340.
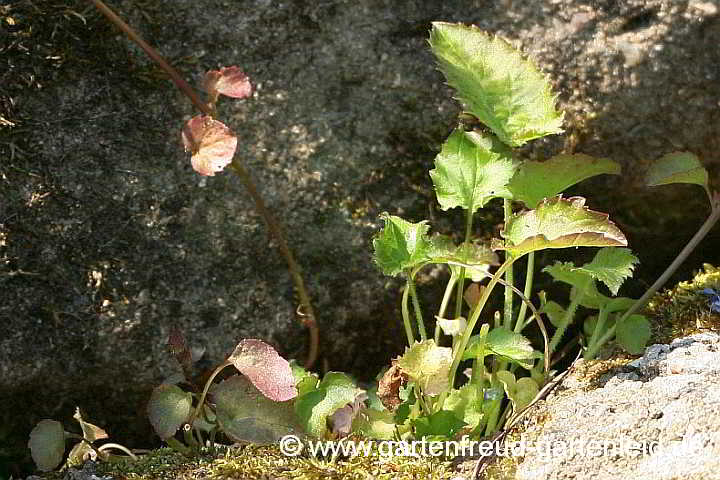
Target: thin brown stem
column 307, row 313
column 152, row 53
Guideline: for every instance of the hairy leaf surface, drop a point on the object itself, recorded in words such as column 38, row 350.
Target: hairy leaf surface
column 470, row 170
column 427, row 365
column 400, row 245
column 559, row 223
column 503, row 90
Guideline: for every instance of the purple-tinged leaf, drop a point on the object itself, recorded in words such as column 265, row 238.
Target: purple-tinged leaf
column 211, row 143
column 268, row 371
column 228, row 81
column 47, row 444
column 341, row 420
column 180, row 350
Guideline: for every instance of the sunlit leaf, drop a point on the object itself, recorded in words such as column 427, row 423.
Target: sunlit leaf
column 334, row 392
column 452, row 327
column 559, row 223
column 467, row 404
column 376, row 424
column 476, row 258
column 47, row 444
column 677, row 167
column 268, row 371
column 228, row 81
column 505, row 343
column 211, row 143
column 304, row 381
column 246, row 415
column 427, row 365
column 633, row 334
column 520, row 392
column 80, row 453
column 471, row 170
column 168, row 409
column 503, row 90
column 90, row 432
column 535, row 181
column 400, row 245
column 611, row 266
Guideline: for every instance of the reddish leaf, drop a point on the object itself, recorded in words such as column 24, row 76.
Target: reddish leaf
column 228, row 81
column 211, row 142
column 389, row 387
column 268, row 371
column 180, row 350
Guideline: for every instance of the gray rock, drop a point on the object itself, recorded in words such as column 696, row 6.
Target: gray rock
column 662, row 422
column 107, row 238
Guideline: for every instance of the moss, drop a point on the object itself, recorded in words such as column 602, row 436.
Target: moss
column 683, row 310
column 267, row 462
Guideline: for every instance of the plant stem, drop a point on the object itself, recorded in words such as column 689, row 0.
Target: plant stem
column 117, row 446
column 154, row 55
column 509, row 276
column 461, row 280
column 591, row 352
column 527, row 291
column 474, row 318
column 416, row 307
column 682, row 256
column 443, row 305
column 406, row 315
column 201, row 402
column 308, row 315
column 566, row 321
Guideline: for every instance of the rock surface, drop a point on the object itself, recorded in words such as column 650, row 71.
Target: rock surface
column 658, row 417
column 107, row 238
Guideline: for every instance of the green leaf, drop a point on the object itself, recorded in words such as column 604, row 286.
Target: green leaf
column 470, row 170
column 400, row 245
column 555, row 312
column 520, row 392
column 168, row 409
column 376, row 424
column 505, row 343
column 503, row 90
column 677, row 167
column 611, row 266
column 535, row 181
column 304, row 381
column 427, row 365
column 440, row 424
column 467, row 404
column 47, row 444
column 633, row 334
column 334, row 392
column 247, row 415
column 559, row 223
column 477, row 258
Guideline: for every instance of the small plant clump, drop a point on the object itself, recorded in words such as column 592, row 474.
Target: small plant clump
column 471, row 372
